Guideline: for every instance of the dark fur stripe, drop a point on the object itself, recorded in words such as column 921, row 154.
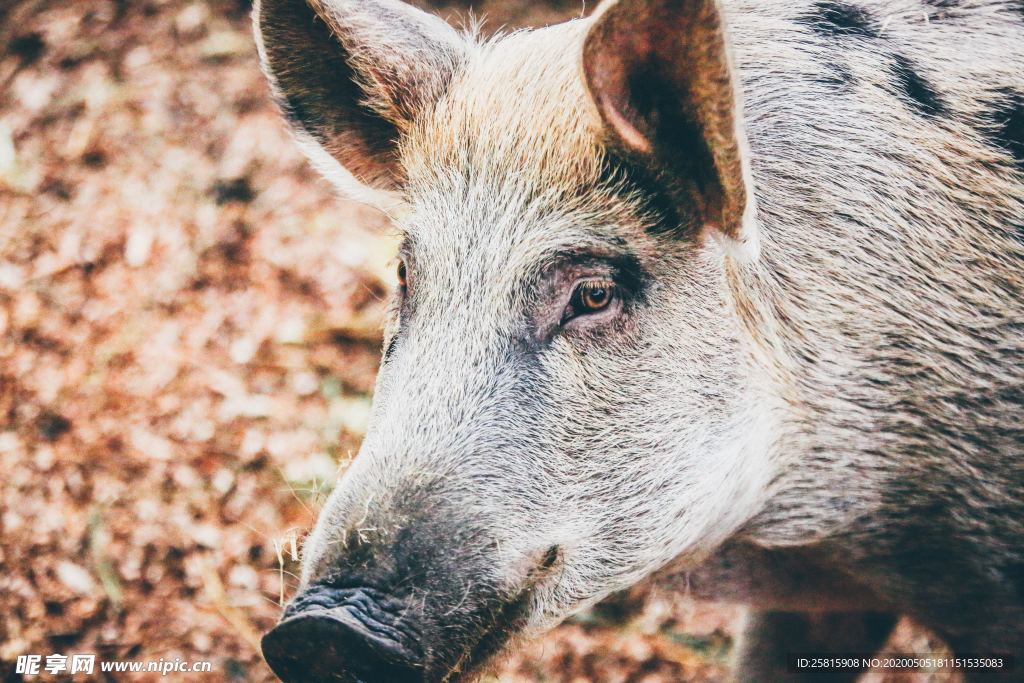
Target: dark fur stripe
column 1007, row 125
column 915, row 88
column 840, row 19
column 941, row 9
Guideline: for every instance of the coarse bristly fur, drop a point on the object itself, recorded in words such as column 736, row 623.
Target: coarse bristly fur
column 809, row 396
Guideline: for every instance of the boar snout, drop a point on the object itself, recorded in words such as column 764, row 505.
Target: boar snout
column 344, row 634
column 432, row 601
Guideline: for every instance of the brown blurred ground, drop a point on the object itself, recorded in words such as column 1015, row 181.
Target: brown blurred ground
column 188, row 341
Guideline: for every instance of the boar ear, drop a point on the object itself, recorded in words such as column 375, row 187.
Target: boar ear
column 350, row 76
column 660, row 75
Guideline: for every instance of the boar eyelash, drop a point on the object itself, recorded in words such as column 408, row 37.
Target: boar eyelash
column 597, row 284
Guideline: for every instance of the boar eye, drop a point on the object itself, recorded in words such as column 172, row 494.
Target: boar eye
column 402, row 275
column 591, row 296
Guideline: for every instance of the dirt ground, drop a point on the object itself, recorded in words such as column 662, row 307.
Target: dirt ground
column 189, row 332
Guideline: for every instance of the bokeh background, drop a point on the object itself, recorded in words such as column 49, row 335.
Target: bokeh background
column 189, row 333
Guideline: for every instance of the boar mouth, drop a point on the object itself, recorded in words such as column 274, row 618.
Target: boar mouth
column 504, row 622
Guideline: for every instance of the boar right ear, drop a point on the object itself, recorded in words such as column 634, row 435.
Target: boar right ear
column 350, row 76
column 659, row 73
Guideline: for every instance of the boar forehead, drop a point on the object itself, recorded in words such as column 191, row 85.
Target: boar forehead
column 516, row 110
column 516, row 123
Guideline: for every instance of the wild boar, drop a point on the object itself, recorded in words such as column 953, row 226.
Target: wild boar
column 724, row 296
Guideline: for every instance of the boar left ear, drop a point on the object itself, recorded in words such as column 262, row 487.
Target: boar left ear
column 660, row 75
column 351, row 76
